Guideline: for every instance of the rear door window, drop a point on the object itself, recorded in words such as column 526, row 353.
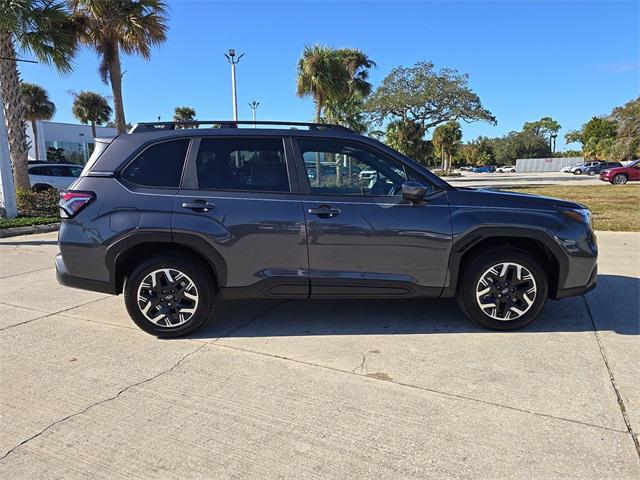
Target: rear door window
column 253, row 164
column 160, row 165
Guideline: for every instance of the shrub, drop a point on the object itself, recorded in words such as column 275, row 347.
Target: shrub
column 42, row 203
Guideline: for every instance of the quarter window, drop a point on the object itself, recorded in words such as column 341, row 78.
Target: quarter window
column 256, row 164
column 344, row 169
column 160, row 165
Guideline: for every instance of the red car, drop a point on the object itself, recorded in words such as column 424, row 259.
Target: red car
column 622, row 175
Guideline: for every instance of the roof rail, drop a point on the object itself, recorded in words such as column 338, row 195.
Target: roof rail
column 159, row 126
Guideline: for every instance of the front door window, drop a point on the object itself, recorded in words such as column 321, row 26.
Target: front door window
column 337, row 168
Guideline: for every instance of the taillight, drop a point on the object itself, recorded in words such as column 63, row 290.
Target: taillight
column 72, row 202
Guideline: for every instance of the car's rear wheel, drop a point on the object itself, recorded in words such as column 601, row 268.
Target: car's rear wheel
column 503, row 289
column 591, row 173
column 577, row 172
column 619, row 179
column 169, row 296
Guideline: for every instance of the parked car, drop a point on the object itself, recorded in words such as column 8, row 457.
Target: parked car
column 44, row 176
column 622, row 175
column 485, row 169
column 578, row 169
column 596, row 169
column 568, row 169
column 506, row 169
column 466, row 169
column 179, row 219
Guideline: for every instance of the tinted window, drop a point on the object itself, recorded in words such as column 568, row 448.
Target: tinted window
column 242, row 164
column 37, row 170
column 346, row 169
column 160, row 165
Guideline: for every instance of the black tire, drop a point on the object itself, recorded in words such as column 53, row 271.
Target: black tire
column 577, row 172
column 591, row 173
column 469, row 282
column 619, row 179
column 204, row 289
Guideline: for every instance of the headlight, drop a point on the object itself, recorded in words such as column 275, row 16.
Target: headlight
column 582, row 215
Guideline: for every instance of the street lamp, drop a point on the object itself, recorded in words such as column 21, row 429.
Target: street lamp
column 254, row 106
column 231, row 57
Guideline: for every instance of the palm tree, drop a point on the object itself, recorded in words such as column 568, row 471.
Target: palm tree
column 44, row 29
column 112, row 26
column 357, row 64
column 446, row 138
column 332, row 76
column 91, row 107
column 322, row 74
column 184, row 114
column 37, row 106
column 349, row 110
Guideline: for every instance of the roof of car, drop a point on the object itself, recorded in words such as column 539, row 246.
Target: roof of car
column 52, row 164
column 217, row 127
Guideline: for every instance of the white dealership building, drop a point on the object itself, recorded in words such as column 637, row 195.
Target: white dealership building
column 73, row 141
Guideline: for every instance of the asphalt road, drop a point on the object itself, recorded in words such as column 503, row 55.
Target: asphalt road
column 317, row 389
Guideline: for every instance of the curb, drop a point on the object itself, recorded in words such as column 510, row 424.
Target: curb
column 28, row 230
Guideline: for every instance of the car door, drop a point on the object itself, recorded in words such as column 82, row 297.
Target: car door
column 240, row 205
column 363, row 237
column 634, row 171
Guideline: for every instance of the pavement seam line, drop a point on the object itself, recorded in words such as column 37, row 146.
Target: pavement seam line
column 418, row 387
column 103, row 401
column 612, row 379
column 26, row 273
column 47, row 314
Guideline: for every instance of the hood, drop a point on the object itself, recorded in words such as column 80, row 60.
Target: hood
column 614, row 169
column 500, row 198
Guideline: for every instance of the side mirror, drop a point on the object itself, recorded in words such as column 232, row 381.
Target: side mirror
column 413, row 191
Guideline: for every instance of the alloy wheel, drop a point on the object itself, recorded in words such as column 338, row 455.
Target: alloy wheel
column 506, row 291
column 167, row 297
column 620, row 179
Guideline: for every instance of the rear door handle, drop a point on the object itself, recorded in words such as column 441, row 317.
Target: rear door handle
column 199, row 205
column 324, row 211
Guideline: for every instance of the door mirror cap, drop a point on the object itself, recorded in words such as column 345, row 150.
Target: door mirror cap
column 413, row 191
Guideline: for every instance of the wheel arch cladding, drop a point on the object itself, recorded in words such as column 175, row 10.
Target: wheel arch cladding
column 124, row 260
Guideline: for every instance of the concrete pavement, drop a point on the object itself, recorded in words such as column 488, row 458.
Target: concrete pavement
column 317, row 389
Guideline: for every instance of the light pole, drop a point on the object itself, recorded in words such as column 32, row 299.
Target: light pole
column 254, row 106
column 231, row 57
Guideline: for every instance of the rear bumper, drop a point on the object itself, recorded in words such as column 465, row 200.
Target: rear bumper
column 83, row 283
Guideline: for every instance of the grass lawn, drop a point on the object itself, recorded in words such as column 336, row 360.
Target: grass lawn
column 614, row 207
column 25, row 221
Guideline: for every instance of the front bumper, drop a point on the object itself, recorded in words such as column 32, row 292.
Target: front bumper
column 67, row 280
column 581, row 290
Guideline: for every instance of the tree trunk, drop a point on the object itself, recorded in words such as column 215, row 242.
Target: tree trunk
column 115, row 77
column 13, row 111
column 34, row 129
column 318, row 118
column 93, row 129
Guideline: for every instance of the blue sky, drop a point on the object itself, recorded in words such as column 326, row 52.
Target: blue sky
column 567, row 60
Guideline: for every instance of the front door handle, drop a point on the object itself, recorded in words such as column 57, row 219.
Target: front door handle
column 324, row 211
column 199, row 205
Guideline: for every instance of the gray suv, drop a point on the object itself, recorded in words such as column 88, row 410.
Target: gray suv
column 178, row 217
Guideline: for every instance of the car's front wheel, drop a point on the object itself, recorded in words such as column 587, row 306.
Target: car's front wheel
column 503, row 289
column 169, row 295
column 591, row 173
column 619, row 179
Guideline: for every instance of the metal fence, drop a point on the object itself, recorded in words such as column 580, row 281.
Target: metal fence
column 545, row 164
